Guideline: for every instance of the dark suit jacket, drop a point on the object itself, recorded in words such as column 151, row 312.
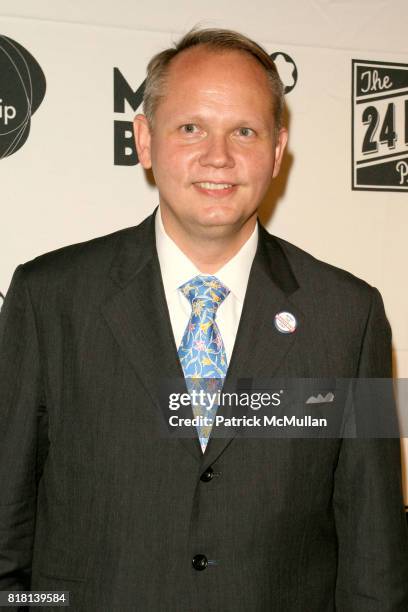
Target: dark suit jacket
column 97, row 501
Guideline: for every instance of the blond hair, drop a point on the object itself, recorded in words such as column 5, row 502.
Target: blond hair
column 215, row 39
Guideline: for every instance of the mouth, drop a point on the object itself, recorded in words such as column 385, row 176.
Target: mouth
column 215, row 189
column 208, row 185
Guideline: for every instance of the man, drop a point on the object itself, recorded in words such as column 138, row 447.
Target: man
column 96, row 499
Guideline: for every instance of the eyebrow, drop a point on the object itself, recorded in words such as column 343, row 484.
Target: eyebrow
column 185, row 119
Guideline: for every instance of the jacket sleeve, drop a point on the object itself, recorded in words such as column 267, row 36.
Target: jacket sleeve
column 369, row 514
column 23, row 433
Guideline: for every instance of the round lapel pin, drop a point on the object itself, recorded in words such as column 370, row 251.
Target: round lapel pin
column 285, row 322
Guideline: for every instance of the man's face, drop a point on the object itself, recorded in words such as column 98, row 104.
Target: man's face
column 214, row 148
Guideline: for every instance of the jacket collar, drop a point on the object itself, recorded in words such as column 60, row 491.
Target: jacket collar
column 137, row 247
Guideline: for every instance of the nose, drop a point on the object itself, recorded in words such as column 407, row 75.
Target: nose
column 217, row 152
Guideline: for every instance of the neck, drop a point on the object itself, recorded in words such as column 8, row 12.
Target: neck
column 210, row 251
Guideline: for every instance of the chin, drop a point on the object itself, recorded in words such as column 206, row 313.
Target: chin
column 221, row 222
column 218, row 215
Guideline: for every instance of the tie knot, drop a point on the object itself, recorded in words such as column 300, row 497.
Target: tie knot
column 206, row 289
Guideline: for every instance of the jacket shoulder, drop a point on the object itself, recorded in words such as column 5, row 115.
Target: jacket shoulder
column 314, row 273
column 87, row 257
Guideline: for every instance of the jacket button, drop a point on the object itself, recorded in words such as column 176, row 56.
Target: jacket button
column 207, row 475
column 200, row 562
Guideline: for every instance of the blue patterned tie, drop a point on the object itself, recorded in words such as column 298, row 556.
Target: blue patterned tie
column 201, row 352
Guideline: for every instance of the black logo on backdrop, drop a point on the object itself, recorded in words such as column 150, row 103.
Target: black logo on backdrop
column 124, row 147
column 287, row 70
column 22, row 89
column 379, row 126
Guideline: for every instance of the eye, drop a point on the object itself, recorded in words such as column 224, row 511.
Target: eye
column 246, row 131
column 189, row 128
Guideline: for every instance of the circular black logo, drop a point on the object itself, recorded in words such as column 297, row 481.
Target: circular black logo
column 22, row 89
column 287, row 69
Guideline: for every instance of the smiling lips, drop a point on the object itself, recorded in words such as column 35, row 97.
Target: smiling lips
column 214, row 185
column 215, row 189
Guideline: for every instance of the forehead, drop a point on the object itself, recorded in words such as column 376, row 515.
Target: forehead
column 205, row 56
column 217, row 77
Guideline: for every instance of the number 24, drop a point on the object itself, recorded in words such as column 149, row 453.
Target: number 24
column 388, row 134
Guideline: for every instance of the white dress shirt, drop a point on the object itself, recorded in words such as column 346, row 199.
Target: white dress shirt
column 177, row 269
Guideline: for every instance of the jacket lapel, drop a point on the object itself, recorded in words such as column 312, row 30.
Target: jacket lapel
column 259, row 347
column 138, row 317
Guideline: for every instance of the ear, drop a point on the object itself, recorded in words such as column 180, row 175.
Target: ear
column 142, row 136
column 280, row 144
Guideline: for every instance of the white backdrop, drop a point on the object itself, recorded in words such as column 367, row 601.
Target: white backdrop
column 62, row 186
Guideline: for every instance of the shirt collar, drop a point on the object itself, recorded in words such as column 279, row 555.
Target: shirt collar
column 177, row 268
